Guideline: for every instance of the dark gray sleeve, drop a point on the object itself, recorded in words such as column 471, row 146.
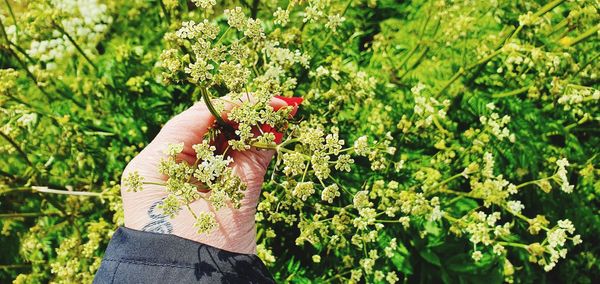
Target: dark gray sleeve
column 143, row 257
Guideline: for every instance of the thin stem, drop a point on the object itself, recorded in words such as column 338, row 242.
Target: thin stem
column 20, row 50
column 209, row 105
column 328, row 37
column 154, row 183
column 15, row 189
column 164, row 10
column 590, row 32
column 189, row 208
column 512, row 93
column 511, row 244
column 548, row 7
column 13, row 266
column 61, row 30
column 336, row 276
column 264, row 146
column 446, row 181
column 254, row 8
column 23, row 215
column 23, row 65
column 45, row 189
column 532, row 182
column 223, row 35
column 18, row 148
column 414, row 64
column 581, row 121
column 12, row 15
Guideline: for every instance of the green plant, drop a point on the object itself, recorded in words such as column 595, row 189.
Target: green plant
column 448, row 141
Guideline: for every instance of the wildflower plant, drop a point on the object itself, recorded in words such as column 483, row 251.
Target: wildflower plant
column 440, row 141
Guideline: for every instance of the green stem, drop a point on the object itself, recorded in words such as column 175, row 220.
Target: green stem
column 328, row 37
column 15, row 189
column 189, row 208
column 511, row 244
column 154, row 183
column 415, row 63
column 590, row 32
column 23, row 215
column 330, row 279
column 583, row 120
column 12, row 15
column 455, row 77
column 254, row 9
column 223, row 35
column 546, row 8
column 209, row 105
column 446, row 181
column 18, row 148
column 532, row 182
column 20, row 50
column 512, row 93
column 164, row 10
column 44, row 189
column 13, row 266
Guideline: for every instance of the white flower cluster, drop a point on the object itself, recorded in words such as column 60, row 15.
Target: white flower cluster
column 497, row 125
column 86, row 21
column 427, row 107
column 573, row 97
column 561, row 174
column 205, row 4
column 334, row 21
column 556, row 239
column 281, row 16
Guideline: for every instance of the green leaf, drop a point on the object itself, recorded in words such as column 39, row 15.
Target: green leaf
column 430, row 257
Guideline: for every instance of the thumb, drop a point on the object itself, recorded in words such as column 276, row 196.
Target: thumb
column 188, row 127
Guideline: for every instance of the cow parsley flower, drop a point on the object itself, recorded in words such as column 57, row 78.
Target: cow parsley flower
column 477, row 255
column 200, row 71
column 203, row 150
column 515, row 206
column 174, row 149
column 361, row 146
column 330, row 192
column 236, row 18
column 205, row 222
column 361, row 200
column 303, row 190
column 281, row 16
column 334, row 21
column 254, row 29
column 205, row 4
column 561, row 173
column 133, row 182
column 391, row 277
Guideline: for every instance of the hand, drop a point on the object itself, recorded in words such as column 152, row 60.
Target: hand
column 237, row 228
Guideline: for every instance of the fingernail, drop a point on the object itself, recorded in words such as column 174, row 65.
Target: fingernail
column 291, row 101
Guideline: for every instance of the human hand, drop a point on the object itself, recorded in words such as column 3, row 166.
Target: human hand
column 236, row 230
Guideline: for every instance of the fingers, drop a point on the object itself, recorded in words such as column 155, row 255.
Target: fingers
column 191, row 125
column 293, row 101
column 188, row 127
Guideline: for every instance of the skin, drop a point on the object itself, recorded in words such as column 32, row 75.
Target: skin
column 237, row 228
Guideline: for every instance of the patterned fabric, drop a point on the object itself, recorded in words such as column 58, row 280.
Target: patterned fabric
column 145, row 257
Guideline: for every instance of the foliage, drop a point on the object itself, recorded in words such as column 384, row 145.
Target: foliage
column 450, row 141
